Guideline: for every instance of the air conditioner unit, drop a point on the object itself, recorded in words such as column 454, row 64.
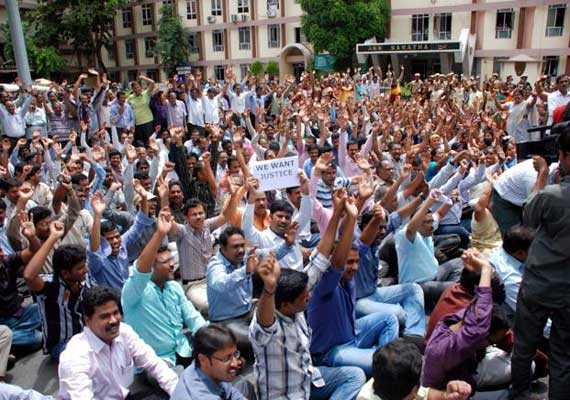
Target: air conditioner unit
column 235, row 18
column 211, row 19
column 271, row 13
column 244, row 17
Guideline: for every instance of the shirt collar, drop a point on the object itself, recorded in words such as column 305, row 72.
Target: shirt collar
column 212, row 386
column 97, row 344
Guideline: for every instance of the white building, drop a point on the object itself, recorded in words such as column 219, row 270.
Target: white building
column 478, row 37
column 524, row 37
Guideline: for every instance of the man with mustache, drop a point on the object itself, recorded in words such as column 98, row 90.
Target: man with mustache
column 100, row 362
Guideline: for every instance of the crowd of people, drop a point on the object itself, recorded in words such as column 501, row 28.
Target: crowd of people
column 416, row 257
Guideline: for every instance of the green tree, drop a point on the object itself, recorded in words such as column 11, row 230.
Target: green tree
column 338, row 25
column 85, row 25
column 272, row 68
column 173, row 45
column 256, row 68
column 45, row 61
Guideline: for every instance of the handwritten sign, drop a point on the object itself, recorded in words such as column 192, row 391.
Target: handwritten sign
column 279, row 173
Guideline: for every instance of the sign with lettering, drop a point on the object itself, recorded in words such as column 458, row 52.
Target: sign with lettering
column 413, row 47
column 324, row 62
column 279, row 173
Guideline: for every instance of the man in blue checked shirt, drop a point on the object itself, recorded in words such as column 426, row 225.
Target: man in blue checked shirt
column 108, row 259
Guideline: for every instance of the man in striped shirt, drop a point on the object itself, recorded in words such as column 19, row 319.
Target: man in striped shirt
column 279, row 331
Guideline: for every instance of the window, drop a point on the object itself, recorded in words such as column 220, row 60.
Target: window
column 442, row 26
column 420, row 27
column 498, row 65
column 219, row 72
column 127, row 17
column 152, row 74
column 167, row 2
column 111, row 52
column 190, row 9
column 194, row 41
column 132, row 75
column 146, row 14
column 149, row 46
column 244, row 38
column 504, row 26
column 243, row 70
column 300, row 36
column 243, row 6
column 218, row 40
column 130, row 49
column 273, row 5
column 217, row 7
column 551, row 65
column 555, row 20
column 274, row 36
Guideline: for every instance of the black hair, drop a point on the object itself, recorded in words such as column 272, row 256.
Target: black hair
column 396, row 369
column 140, row 176
column 115, row 152
column 229, row 231
column 121, row 93
column 162, row 249
column 289, row 190
column 469, row 280
column 107, row 226
column 98, row 296
column 39, row 213
column 67, row 256
column 8, row 182
column 174, row 183
column 2, row 205
column 193, row 203
column 281, row 205
column 290, row 285
column 211, row 338
column 518, row 237
column 499, row 320
column 77, row 178
column 312, row 146
column 564, row 139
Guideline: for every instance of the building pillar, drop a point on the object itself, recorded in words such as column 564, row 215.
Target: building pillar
column 446, row 62
column 18, row 42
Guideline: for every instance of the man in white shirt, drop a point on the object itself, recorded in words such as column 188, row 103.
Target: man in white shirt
column 195, row 110
column 281, row 214
column 560, row 97
column 100, row 362
column 211, row 105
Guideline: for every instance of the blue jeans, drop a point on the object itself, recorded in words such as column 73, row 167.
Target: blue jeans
column 341, row 383
column 55, row 351
column 405, row 301
column 27, row 328
column 372, row 332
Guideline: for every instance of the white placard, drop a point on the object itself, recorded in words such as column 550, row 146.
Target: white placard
column 279, row 173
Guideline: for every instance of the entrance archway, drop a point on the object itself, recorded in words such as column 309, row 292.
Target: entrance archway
column 292, row 58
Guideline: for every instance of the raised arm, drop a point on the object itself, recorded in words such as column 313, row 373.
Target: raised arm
column 98, row 207
column 32, row 271
column 340, row 254
column 163, row 226
column 418, row 218
column 269, row 271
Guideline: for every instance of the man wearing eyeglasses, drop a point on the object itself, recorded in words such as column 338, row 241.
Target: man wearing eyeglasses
column 217, row 362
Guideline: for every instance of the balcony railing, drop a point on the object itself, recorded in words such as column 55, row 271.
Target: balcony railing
column 554, row 30
column 503, row 33
column 444, row 35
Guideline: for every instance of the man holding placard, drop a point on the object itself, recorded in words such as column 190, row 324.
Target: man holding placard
column 281, row 213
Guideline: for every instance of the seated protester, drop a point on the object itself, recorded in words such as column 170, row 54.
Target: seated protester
column 458, row 296
column 339, row 339
column 155, row 305
column 453, row 349
column 109, row 258
column 279, row 325
column 416, row 257
column 8, row 250
column 5, row 345
column 15, row 392
column 58, row 295
column 508, row 262
column 23, row 321
column 397, row 369
column 194, row 242
column 294, row 198
column 405, row 301
column 230, row 285
column 216, row 362
column 281, row 213
column 100, row 362
column 485, row 234
column 324, row 180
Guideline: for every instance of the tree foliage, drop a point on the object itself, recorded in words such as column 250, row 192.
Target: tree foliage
column 173, row 45
column 85, row 25
column 256, row 68
column 272, row 68
column 44, row 60
column 337, row 26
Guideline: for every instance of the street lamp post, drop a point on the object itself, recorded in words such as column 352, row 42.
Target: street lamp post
column 18, row 42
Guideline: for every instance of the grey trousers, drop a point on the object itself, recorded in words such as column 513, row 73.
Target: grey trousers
column 5, row 344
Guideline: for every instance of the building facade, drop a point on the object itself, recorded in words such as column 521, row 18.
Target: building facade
column 222, row 33
column 476, row 37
